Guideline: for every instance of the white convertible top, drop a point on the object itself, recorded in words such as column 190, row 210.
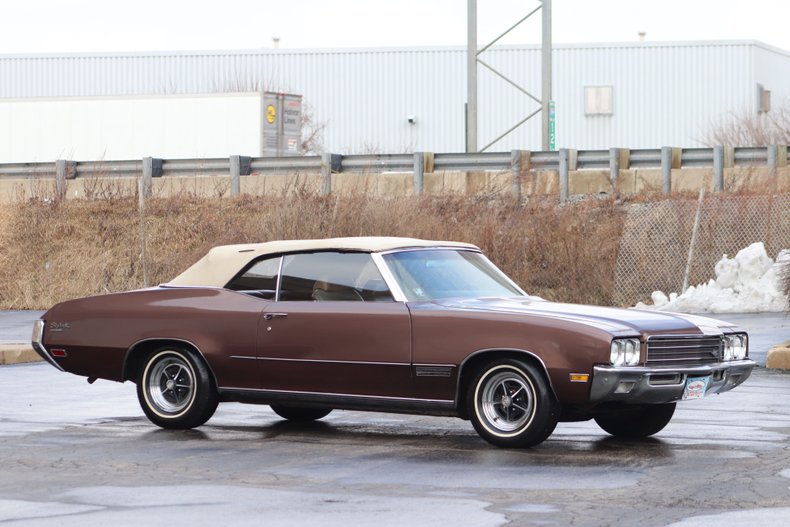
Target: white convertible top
column 223, row 262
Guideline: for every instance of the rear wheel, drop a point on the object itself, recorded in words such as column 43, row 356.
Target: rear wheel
column 296, row 413
column 175, row 388
column 511, row 404
column 636, row 421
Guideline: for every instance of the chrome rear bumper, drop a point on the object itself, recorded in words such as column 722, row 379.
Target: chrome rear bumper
column 38, row 344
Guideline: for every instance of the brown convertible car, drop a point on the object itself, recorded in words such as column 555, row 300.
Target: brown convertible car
column 391, row 325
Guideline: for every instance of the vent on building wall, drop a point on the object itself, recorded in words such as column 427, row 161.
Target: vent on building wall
column 763, row 99
column 598, row 100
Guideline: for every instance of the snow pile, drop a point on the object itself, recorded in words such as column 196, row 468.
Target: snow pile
column 748, row 283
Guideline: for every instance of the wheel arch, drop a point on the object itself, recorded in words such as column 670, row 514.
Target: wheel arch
column 474, row 361
column 133, row 360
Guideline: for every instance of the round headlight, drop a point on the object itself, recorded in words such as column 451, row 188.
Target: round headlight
column 617, row 355
column 632, row 352
column 739, row 351
column 729, row 347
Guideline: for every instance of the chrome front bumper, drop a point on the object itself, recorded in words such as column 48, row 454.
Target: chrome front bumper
column 663, row 385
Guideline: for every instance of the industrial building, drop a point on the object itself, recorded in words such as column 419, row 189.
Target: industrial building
column 393, row 100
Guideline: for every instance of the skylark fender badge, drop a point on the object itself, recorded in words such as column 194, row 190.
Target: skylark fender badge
column 59, row 326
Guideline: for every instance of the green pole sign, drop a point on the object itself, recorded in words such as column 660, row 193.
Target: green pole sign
column 552, row 126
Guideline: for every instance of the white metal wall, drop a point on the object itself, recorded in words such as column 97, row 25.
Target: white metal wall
column 117, row 128
column 772, row 70
column 664, row 94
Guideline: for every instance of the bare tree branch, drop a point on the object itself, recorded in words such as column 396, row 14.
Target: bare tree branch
column 748, row 129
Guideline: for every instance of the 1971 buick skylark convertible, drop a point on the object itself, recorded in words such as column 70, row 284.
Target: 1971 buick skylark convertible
column 389, row 325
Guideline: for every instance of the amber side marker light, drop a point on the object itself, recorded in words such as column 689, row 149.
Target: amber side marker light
column 580, row 377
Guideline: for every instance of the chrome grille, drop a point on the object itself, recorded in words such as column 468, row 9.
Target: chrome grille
column 683, row 350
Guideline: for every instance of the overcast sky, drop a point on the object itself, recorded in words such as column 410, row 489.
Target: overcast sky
column 33, row 26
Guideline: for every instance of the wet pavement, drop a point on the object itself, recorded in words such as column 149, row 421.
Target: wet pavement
column 17, row 326
column 73, row 453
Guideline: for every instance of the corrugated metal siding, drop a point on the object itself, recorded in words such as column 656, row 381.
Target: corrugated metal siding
column 664, row 94
column 771, row 67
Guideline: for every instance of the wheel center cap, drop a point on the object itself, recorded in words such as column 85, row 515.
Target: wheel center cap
column 506, row 400
column 170, row 384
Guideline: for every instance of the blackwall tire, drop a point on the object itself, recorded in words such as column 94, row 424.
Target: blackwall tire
column 300, row 414
column 175, row 388
column 636, row 422
column 511, row 404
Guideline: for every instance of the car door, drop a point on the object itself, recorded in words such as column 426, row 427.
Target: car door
column 335, row 329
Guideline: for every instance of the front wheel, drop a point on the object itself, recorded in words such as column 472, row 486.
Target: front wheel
column 300, row 414
column 175, row 389
column 636, row 422
column 511, row 404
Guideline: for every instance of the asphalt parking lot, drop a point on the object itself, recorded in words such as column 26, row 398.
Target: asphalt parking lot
column 73, row 453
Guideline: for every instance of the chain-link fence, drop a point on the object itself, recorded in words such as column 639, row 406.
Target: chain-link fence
column 589, row 251
column 656, row 250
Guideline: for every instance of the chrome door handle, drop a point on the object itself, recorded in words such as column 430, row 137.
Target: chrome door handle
column 270, row 316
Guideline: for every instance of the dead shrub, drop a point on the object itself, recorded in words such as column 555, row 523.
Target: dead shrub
column 60, row 250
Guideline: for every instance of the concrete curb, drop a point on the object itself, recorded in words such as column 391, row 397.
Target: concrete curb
column 17, row 354
column 779, row 357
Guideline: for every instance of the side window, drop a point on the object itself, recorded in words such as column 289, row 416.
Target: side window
column 332, row 276
column 259, row 280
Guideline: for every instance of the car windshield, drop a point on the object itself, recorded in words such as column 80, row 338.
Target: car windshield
column 444, row 273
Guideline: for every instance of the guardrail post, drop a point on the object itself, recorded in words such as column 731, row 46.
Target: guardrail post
column 619, row 159
column 419, row 172
column 564, row 174
column 670, row 158
column 614, row 165
column 772, row 155
column 519, row 163
column 64, row 170
column 776, row 157
column 718, row 168
column 329, row 163
column 239, row 166
column 152, row 167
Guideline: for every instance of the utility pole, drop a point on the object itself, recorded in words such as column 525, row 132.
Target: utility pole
column 471, row 76
column 545, row 72
column 473, row 59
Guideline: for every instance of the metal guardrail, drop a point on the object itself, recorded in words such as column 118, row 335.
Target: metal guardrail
column 516, row 162
column 377, row 163
column 645, row 158
column 469, row 162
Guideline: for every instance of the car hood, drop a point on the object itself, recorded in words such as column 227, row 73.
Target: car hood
column 613, row 320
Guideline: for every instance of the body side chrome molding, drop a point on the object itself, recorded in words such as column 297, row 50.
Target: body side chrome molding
column 265, row 391
column 327, row 361
column 439, row 407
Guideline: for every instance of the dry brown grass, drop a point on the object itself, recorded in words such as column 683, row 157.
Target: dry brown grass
column 67, row 249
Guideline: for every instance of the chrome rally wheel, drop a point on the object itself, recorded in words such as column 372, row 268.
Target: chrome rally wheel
column 171, row 384
column 511, row 404
column 507, row 402
column 176, row 388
